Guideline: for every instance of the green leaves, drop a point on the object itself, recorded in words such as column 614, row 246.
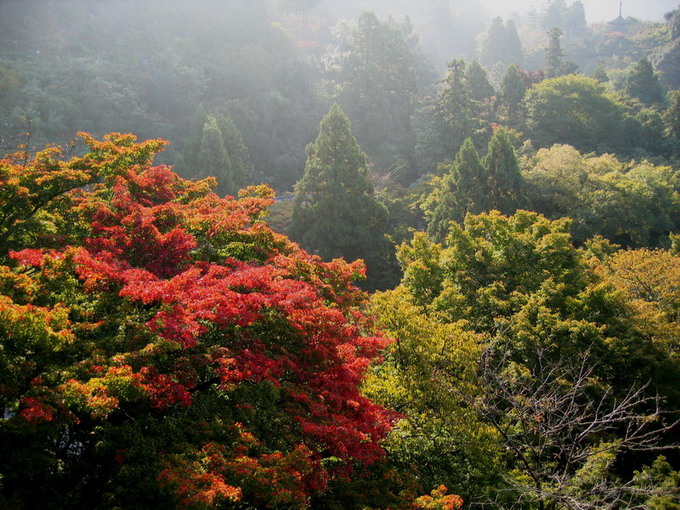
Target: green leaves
column 575, row 110
column 335, row 213
column 505, row 330
column 471, row 186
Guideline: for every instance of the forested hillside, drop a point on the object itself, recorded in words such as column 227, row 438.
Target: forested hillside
column 308, row 254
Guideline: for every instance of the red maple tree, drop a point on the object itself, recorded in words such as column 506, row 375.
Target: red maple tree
column 176, row 341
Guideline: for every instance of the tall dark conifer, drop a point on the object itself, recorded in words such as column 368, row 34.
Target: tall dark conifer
column 242, row 166
column 502, row 45
column 643, row 83
column 555, row 64
column 335, row 213
column 504, row 178
column 512, row 91
column 192, row 143
column 464, row 191
column 478, row 82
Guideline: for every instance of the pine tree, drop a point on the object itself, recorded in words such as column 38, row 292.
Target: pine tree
column 335, row 213
column 502, row 45
column 457, row 115
column 513, row 45
column 213, row 159
column 492, row 50
column 576, row 18
column 643, row 83
column 378, row 88
column 504, row 178
column 555, row 14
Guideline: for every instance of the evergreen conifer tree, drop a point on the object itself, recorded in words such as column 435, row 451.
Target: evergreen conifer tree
column 457, row 114
column 513, row 45
column 378, row 90
column 512, row 90
column 502, row 45
column 242, row 166
column 643, row 83
column 464, row 191
column 192, row 144
column 492, row 50
column 554, row 14
column 335, row 213
column 478, row 82
column 576, row 18
column 213, row 159
column 555, row 64
column 504, row 178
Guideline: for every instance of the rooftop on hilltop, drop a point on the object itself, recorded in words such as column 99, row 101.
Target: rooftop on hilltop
column 620, row 21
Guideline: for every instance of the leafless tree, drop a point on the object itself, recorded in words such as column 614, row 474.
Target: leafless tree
column 563, row 430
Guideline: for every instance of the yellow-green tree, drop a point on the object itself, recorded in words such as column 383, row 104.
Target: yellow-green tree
column 537, row 351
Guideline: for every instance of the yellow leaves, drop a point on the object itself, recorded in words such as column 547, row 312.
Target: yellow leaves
column 117, row 153
column 650, row 279
column 100, row 396
column 18, row 285
column 439, row 500
column 33, row 325
column 649, row 275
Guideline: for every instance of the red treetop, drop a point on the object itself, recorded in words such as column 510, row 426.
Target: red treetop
column 231, row 357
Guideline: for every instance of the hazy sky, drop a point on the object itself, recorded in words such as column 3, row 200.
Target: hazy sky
column 596, row 10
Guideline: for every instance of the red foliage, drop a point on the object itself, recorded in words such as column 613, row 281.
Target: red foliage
column 183, row 298
column 214, row 284
column 28, row 257
column 35, row 410
column 166, row 392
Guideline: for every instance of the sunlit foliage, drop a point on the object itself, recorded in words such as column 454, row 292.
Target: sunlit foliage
column 172, row 350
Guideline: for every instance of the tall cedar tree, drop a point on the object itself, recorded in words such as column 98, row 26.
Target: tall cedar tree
column 335, row 213
column 465, row 191
column 502, row 45
column 555, row 64
column 493, row 48
column 378, row 91
column 459, row 112
column 241, row 165
column 513, row 89
column 643, row 83
column 192, row 144
column 235, row 170
column 504, row 179
column 478, row 82
column 213, row 159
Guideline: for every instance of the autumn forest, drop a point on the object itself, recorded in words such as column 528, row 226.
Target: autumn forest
column 359, row 255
